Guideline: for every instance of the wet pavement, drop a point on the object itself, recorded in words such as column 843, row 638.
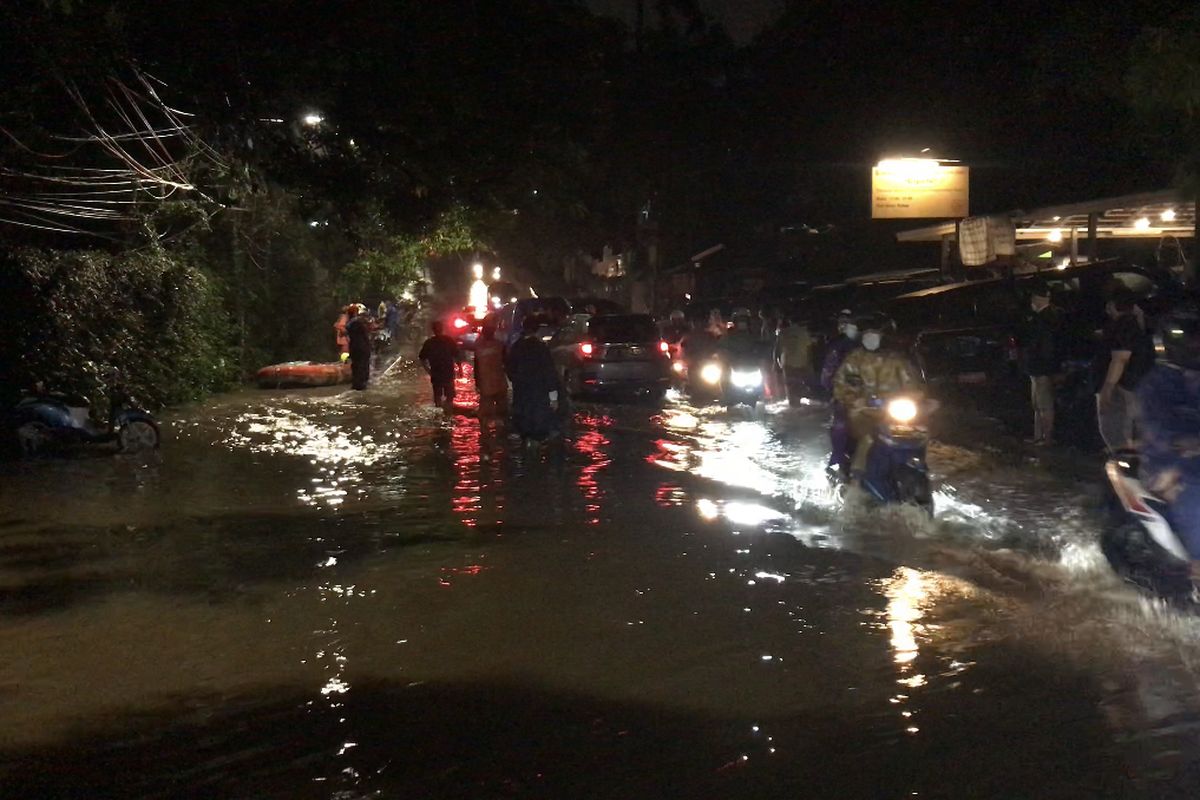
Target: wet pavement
column 330, row 594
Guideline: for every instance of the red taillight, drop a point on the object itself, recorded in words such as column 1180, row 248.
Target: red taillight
column 664, row 347
column 587, row 348
column 460, row 323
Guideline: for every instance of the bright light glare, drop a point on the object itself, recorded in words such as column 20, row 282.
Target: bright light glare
column 1141, row 223
column 710, row 373
column 750, row 514
column 477, row 297
column 313, row 120
column 746, row 380
column 1055, row 235
column 1168, row 215
column 477, row 271
column 677, row 366
column 707, row 509
column 902, row 409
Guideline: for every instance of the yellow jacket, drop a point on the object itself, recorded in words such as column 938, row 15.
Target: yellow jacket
column 795, row 347
column 866, row 374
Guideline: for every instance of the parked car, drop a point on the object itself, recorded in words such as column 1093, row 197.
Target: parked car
column 620, row 353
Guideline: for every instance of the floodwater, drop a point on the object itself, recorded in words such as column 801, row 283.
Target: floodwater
column 330, row 594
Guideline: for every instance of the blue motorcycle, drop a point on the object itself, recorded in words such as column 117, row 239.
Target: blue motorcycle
column 896, row 471
column 45, row 420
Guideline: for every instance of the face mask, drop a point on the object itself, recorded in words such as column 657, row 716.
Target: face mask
column 871, row 341
column 850, row 330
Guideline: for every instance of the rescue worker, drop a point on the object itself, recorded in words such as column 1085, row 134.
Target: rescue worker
column 339, row 332
column 536, row 390
column 870, row 373
column 490, row 380
column 1169, row 396
column 793, row 351
column 439, row 357
column 358, row 337
column 840, row 444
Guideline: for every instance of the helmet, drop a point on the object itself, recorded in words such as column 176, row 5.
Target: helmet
column 676, row 316
column 1177, row 340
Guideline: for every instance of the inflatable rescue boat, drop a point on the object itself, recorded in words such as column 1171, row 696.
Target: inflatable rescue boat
column 303, row 373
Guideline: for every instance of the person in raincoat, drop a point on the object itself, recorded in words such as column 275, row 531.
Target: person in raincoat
column 840, row 444
column 339, row 332
column 866, row 374
column 358, row 336
column 535, row 384
column 793, row 354
column 490, row 380
column 1169, row 395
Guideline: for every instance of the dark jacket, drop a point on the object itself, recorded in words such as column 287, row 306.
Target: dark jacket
column 1043, row 350
column 531, row 369
column 358, row 330
column 441, row 354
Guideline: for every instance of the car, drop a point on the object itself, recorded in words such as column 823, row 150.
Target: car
column 618, row 353
column 463, row 326
column 510, row 318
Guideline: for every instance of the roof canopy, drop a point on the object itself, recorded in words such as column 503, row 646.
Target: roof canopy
column 1145, row 215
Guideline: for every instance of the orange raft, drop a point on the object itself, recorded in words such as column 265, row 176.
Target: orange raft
column 302, row 373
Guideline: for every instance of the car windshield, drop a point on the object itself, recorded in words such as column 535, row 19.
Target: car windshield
column 623, row 329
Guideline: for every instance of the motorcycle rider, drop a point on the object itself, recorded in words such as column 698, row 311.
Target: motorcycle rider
column 1170, row 444
column 740, row 344
column 870, row 373
column 840, row 445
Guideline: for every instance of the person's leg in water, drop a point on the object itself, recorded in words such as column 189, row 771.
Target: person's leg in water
column 862, row 428
column 839, row 440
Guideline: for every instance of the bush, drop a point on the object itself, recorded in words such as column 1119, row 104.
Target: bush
column 80, row 320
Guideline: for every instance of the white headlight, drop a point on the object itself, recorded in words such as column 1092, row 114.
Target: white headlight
column 746, row 380
column 711, row 373
column 902, row 409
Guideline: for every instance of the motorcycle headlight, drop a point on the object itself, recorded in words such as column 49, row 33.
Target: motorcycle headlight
column 746, row 380
column 711, row 373
column 902, row 410
column 677, row 366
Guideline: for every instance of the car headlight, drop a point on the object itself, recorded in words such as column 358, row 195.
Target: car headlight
column 902, row 410
column 746, row 380
column 711, row 373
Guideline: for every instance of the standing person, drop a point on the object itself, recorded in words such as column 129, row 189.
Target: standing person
column 534, row 381
column 358, row 336
column 439, row 357
column 794, row 356
column 1130, row 356
column 339, row 332
column 381, row 311
column 391, row 319
column 490, row 380
column 840, row 443
column 1043, row 361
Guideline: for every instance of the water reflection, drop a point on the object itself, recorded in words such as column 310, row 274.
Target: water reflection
column 593, row 445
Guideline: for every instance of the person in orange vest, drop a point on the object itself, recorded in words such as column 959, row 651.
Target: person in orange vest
column 340, row 335
column 490, row 380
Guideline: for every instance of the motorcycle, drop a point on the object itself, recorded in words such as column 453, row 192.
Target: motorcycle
column 1139, row 541
column 47, row 420
column 896, row 471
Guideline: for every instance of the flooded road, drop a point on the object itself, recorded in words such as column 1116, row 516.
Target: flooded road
column 330, row 594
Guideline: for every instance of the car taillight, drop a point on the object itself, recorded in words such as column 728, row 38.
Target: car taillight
column 459, row 323
column 587, row 349
column 664, row 347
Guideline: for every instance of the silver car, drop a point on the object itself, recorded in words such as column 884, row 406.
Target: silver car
column 612, row 353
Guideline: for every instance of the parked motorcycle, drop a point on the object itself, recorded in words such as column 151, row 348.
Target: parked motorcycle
column 47, row 420
column 896, row 471
column 1139, row 541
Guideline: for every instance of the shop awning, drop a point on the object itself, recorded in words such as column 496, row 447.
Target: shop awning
column 1150, row 215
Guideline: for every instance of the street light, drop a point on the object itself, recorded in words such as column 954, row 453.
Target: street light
column 312, row 119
